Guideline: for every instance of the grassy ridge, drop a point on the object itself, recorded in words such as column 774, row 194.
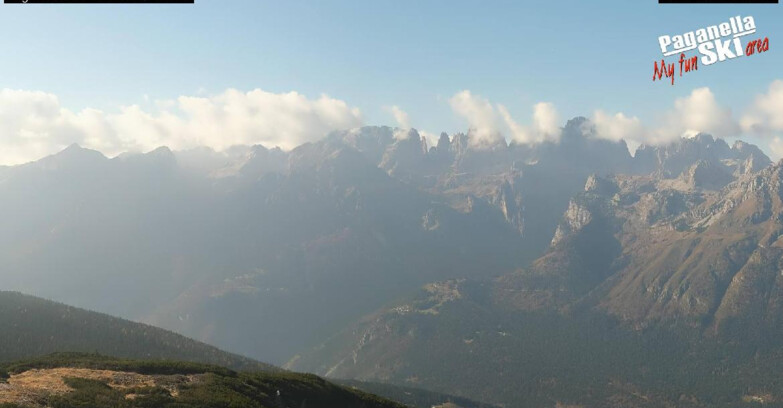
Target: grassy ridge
column 100, row 362
column 218, row 387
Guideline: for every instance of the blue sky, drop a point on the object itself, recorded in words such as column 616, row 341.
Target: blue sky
column 578, row 55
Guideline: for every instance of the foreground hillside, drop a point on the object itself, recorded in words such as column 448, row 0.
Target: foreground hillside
column 75, row 380
column 31, row 327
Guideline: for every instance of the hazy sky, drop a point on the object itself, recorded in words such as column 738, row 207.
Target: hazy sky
column 368, row 57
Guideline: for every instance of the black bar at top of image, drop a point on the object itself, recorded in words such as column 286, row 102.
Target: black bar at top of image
column 98, row 1
column 717, row 1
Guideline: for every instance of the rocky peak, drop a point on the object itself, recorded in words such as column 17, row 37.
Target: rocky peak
column 510, row 203
column 406, row 156
column 159, row 161
column 412, row 142
column 599, row 185
column 262, row 161
column 576, row 217
column 750, row 158
column 459, row 144
column 371, row 141
column 443, row 142
column 576, row 128
column 671, row 160
column 72, row 157
column 706, row 174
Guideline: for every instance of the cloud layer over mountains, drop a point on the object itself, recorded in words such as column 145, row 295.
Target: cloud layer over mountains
column 34, row 124
column 695, row 113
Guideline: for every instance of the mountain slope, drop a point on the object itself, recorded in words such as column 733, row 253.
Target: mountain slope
column 455, row 337
column 247, row 248
column 233, row 256
column 649, row 283
column 689, row 256
column 32, row 327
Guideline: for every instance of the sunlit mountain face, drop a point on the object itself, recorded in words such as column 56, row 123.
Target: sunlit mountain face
column 316, row 257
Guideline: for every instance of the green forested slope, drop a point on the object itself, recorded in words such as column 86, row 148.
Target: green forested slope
column 31, row 326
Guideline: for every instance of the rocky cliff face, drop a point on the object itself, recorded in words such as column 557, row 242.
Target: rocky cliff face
column 692, row 253
column 642, row 269
column 249, row 247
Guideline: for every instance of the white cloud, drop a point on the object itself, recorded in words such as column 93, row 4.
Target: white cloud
column 546, row 120
column 402, row 119
column 545, row 124
column 400, row 116
column 698, row 112
column 34, row 124
column 488, row 121
column 618, row 126
column 518, row 132
column 480, row 115
column 765, row 116
column 621, row 127
column 431, row 138
column 776, row 148
column 404, row 123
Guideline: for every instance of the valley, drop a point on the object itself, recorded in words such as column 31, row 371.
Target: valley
column 580, row 273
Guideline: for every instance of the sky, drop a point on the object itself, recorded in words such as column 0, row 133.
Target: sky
column 217, row 73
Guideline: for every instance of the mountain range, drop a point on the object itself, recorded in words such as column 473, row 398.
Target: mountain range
column 567, row 272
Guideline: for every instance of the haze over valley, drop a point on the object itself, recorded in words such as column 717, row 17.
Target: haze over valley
column 360, row 255
column 391, row 204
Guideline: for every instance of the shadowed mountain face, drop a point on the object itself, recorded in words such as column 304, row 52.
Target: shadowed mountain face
column 33, row 327
column 268, row 253
column 649, row 281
